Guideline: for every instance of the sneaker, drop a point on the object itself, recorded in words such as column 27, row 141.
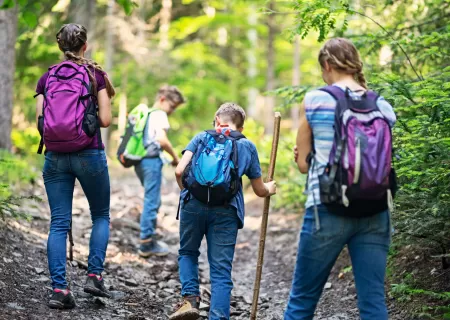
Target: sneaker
column 187, row 310
column 152, row 247
column 96, row 286
column 62, row 299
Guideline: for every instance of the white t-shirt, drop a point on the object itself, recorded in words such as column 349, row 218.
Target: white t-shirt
column 157, row 121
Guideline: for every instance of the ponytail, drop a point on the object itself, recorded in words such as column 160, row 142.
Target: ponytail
column 361, row 79
column 95, row 66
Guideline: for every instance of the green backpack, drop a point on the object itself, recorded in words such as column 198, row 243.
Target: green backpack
column 132, row 149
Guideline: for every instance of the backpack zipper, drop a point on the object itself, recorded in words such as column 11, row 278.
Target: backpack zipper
column 209, row 190
column 357, row 161
column 57, row 91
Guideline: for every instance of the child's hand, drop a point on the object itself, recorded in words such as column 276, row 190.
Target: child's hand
column 271, row 187
column 295, row 150
column 175, row 162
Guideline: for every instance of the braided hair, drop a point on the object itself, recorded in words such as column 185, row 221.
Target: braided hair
column 71, row 38
column 342, row 55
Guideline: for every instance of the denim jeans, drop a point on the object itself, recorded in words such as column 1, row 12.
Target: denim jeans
column 149, row 172
column 60, row 171
column 368, row 243
column 220, row 226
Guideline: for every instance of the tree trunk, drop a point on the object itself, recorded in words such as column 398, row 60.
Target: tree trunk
column 123, row 102
column 252, row 70
column 296, row 81
column 84, row 12
column 165, row 16
column 109, row 53
column 8, row 33
column 270, row 84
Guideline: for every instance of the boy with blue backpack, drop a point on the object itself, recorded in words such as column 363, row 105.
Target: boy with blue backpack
column 212, row 204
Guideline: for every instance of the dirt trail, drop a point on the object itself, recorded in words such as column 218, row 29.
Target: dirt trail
column 149, row 289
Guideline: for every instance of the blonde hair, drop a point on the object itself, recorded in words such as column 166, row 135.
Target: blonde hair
column 233, row 113
column 342, row 55
column 71, row 38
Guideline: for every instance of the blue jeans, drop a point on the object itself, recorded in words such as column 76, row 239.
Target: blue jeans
column 220, row 226
column 149, row 172
column 368, row 243
column 60, row 171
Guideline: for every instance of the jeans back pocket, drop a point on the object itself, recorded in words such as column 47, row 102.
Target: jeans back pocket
column 50, row 163
column 93, row 163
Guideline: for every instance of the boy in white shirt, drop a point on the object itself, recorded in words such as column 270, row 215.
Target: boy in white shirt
column 149, row 170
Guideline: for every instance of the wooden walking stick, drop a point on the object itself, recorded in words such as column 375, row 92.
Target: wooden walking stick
column 265, row 216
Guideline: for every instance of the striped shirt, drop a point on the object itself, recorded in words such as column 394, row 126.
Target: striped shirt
column 319, row 108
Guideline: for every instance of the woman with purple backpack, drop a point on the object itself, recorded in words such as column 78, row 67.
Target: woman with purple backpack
column 344, row 143
column 73, row 102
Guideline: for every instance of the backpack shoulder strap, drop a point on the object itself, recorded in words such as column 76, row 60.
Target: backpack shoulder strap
column 336, row 92
column 212, row 132
column 236, row 135
column 150, row 111
column 372, row 95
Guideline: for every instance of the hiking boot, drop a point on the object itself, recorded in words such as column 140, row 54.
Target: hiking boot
column 62, row 299
column 152, row 247
column 187, row 310
column 96, row 286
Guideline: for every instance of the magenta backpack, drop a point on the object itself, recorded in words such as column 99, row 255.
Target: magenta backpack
column 359, row 177
column 69, row 120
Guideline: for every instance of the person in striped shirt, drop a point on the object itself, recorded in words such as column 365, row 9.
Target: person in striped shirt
column 324, row 234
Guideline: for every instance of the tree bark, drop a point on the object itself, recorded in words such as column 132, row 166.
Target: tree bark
column 84, row 12
column 165, row 16
column 8, row 34
column 296, row 81
column 270, row 78
column 109, row 54
column 252, row 70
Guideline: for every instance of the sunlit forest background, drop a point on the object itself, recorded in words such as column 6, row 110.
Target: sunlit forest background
column 260, row 54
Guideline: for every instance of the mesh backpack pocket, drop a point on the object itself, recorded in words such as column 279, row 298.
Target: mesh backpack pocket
column 212, row 175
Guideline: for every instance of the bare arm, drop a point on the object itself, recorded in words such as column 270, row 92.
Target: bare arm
column 262, row 189
column 104, row 109
column 304, row 137
column 39, row 106
column 161, row 136
column 185, row 159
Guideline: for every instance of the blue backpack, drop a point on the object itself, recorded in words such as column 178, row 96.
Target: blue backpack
column 212, row 176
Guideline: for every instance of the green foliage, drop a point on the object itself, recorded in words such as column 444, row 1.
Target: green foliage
column 128, row 5
column 320, row 16
column 347, row 269
column 7, row 4
column 26, row 141
column 290, row 183
column 408, row 291
column 422, row 144
column 14, row 173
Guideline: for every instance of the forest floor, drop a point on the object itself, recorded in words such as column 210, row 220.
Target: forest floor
column 149, row 288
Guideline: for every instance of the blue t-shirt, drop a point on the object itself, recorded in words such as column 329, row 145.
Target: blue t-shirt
column 248, row 164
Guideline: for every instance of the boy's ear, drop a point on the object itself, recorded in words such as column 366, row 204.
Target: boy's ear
column 85, row 47
column 217, row 121
column 241, row 129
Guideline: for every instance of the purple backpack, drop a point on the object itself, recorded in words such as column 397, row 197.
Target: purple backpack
column 359, row 169
column 69, row 120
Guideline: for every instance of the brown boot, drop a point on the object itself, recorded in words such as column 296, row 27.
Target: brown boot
column 187, row 310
